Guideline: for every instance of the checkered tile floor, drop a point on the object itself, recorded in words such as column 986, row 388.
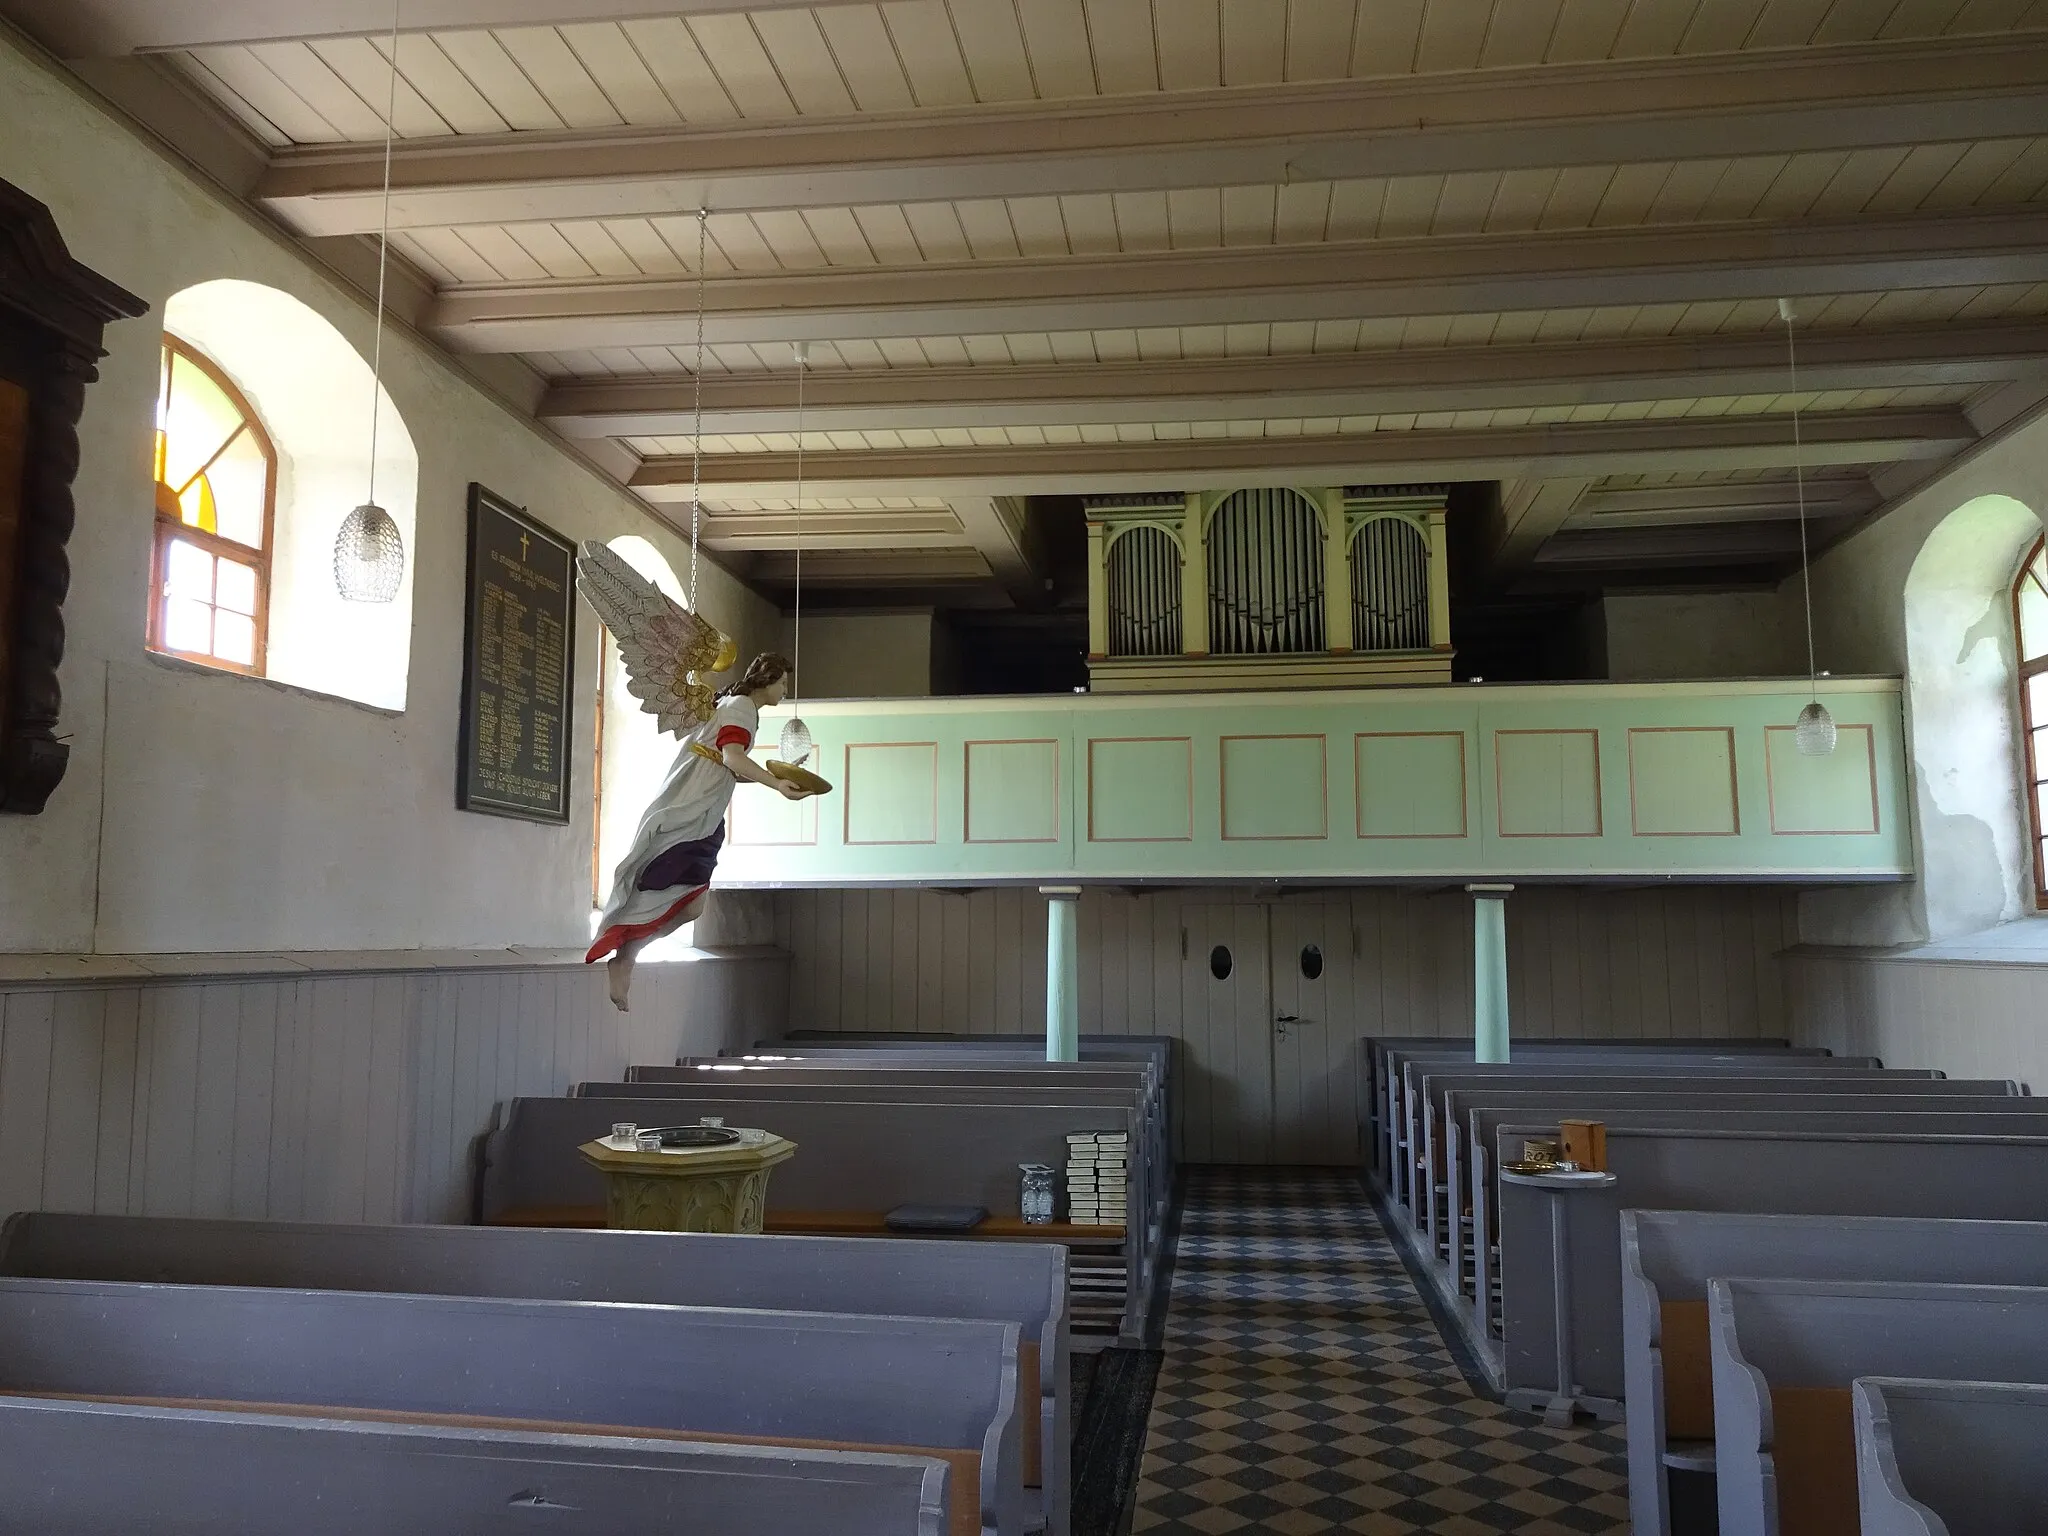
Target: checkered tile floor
column 1306, row 1388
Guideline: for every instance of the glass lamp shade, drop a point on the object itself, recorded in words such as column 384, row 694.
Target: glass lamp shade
column 796, row 743
column 369, row 556
column 1814, row 732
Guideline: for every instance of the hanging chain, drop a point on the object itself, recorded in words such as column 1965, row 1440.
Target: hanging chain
column 383, row 255
column 697, row 414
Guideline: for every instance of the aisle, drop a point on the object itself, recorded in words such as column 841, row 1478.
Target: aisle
column 1306, row 1389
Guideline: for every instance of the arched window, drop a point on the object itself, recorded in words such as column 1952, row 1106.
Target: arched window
column 2030, row 630
column 216, row 498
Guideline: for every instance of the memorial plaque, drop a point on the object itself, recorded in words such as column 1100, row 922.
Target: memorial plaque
column 519, row 636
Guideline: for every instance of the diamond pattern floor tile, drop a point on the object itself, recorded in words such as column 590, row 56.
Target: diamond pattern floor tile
column 1306, row 1390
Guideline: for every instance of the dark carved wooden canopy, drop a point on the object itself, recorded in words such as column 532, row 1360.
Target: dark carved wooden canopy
column 52, row 314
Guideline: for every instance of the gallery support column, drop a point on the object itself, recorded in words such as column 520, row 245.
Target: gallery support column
column 1062, row 972
column 1489, row 971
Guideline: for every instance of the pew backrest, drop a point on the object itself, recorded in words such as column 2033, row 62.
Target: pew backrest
column 1786, row 1353
column 1668, row 1258
column 1021, row 1283
column 929, row 1385
column 85, row 1468
column 1817, row 1172
column 1950, row 1458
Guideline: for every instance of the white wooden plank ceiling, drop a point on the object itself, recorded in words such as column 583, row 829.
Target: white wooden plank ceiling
column 1885, row 162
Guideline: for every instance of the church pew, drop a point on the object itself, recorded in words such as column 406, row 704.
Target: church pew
column 939, row 1387
column 1406, row 1072
column 1994, row 1178
column 1150, row 1155
column 72, row 1468
column 1381, row 1061
column 1021, row 1283
column 1786, row 1354
column 1445, row 1162
column 1667, row 1258
column 1950, row 1458
column 1482, row 1113
column 1373, row 1051
column 855, row 1161
column 1423, row 1083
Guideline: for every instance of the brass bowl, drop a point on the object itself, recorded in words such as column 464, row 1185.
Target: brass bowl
column 802, row 778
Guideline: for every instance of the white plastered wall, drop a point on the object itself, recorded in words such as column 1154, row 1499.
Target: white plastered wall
column 1922, row 592
column 216, row 813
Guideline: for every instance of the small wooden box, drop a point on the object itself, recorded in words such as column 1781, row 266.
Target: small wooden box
column 1584, row 1143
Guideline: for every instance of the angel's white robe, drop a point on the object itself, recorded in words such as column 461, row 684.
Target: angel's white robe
column 689, row 810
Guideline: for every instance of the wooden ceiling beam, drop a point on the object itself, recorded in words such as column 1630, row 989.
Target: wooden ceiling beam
column 1340, row 281
column 1466, row 378
column 1823, row 99
column 1576, row 450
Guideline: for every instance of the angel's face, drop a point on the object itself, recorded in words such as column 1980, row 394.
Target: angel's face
column 774, row 693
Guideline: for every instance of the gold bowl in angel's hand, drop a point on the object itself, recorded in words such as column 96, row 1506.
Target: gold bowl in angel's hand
column 802, row 778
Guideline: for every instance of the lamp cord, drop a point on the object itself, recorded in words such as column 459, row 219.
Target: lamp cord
column 697, row 414
column 797, row 627
column 383, row 255
column 1799, row 490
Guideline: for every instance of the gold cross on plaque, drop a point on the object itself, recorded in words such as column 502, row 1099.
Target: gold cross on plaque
column 524, row 540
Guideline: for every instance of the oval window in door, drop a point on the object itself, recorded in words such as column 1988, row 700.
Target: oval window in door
column 1311, row 961
column 1219, row 962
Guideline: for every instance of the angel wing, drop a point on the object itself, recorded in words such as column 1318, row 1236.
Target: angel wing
column 666, row 647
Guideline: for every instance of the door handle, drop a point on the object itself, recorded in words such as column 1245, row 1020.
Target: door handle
column 1289, row 1018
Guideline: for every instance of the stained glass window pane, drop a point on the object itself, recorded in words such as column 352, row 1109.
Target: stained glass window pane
column 197, row 418
column 234, row 638
column 240, row 477
column 2033, row 615
column 188, row 625
column 188, row 571
column 235, row 587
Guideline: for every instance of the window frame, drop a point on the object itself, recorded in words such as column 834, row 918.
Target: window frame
column 2034, row 769
column 166, row 528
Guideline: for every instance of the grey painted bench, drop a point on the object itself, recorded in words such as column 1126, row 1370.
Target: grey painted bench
column 1667, row 1258
column 855, row 1161
column 85, row 1469
column 1950, row 1458
column 1995, row 1178
column 940, row 1387
column 1471, row 1115
column 1786, row 1353
column 1424, row 1083
column 1842, row 1120
column 1021, row 1283
column 1374, row 1050
column 1380, row 1089
column 1149, row 1176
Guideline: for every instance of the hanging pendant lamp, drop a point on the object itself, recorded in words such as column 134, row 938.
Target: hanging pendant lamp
column 1813, row 733
column 796, row 744
column 369, row 551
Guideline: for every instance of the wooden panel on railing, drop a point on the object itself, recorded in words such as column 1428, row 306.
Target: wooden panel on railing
column 1567, row 781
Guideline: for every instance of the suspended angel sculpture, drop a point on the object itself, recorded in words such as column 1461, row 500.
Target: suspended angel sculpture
column 663, row 879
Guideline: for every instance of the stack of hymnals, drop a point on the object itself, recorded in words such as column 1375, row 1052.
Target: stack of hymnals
column 1097, row 1163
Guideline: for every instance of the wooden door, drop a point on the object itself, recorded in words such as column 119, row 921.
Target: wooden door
column 1314, row 1092
column 1226, row 1033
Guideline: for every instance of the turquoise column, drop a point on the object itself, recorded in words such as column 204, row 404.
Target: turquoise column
column 1062, row 972
column 1489, row 971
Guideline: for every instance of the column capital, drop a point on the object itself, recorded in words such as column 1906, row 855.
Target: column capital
column 1493, row 891
column 1060, row 892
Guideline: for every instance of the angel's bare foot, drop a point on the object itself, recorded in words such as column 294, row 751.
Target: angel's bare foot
column 619, row 977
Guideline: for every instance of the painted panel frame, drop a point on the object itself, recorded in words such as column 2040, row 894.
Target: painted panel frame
column 1499, row 783
column 1727, row 733
column 847, row 794
column 1223, row 789
column 1876, row 826
column 1358, row 741
column 967, row 789
column 1187, row 742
